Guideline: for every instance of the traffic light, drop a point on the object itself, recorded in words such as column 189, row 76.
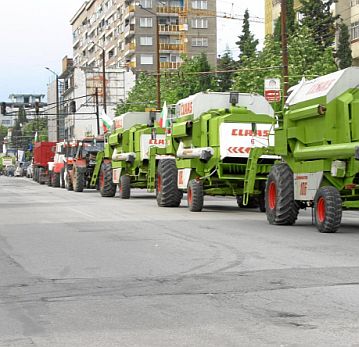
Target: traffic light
column 3, row 108
column 37, row 108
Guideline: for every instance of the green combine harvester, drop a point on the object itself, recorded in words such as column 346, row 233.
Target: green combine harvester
column 125, row 159
column 318, row 139
column 220, row 145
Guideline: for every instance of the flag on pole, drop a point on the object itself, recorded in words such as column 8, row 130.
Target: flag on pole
column 106, row 122
column 36, row 137
column 164, row 115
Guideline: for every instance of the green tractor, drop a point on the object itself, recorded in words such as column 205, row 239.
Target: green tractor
column 221, row 146
column 125, row 160
column 318, row 139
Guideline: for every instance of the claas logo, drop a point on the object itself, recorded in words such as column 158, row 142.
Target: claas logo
column 157, row 142
column 248, row 132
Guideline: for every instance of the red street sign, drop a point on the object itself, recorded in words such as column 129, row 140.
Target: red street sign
column 272, row 95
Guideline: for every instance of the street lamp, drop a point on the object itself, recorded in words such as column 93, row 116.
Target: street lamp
column 103, row 75
column 158, row 70
column 57, row 104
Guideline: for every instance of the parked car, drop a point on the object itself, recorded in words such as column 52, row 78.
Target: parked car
column 18, row 171
column 10, row 170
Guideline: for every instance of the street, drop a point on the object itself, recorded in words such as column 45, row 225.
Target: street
column 81, row 270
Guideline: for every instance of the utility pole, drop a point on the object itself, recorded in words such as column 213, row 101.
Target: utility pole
column 103, row 75
column 57, row 104
column 285, row 72
column 97, row 111
column 158, row 60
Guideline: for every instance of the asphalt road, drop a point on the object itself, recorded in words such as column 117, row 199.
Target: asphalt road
column 80, row 270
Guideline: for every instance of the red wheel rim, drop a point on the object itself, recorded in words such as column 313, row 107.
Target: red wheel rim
column 189, row 196
column 159, row 183
column 272, row 196
column 321, row 210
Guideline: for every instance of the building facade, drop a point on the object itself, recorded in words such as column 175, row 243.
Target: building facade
column 126, row 30
column 348, row 10
column 79, row 107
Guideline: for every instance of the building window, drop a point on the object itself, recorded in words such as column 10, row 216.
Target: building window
column 146, row 41
column 146, row 22
column 146, row 3
column 354, row 3
column 200, row 23
column 200, row 42
column 146, row 59
column 354, row 30
column 200, row 4
column 111, row 53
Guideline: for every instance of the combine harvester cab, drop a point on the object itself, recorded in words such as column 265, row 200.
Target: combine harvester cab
column 318, row 139
column 221, row 142
column 126, row 159
column 84, row 163
column 57, row 166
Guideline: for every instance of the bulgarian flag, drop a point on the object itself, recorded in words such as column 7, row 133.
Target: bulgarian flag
column 164, row 116
column 36, row 137
column 106, row 122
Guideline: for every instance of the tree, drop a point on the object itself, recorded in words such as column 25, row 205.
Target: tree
column 3, row 134
column 318, row 17
column 226, row 63
column 290, row 25
column 190, row 78
column 344, row 52
column 306, row 59
column 247, row 44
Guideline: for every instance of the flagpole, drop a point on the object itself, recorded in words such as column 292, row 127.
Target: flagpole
column 97, row 112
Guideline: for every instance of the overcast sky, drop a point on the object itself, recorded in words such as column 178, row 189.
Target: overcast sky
column 37, row 33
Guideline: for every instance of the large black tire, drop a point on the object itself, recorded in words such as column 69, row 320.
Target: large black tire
column 50, row 178
column 252, row 202
column 41, row 178
column 107, row 187
column 79, row 181
column 125, row 187
column 62, row 178
column 328, row 209
column 34, row 176
column 195, row 195
column 167, row 192
column 69, row 185
column 56, row 180
column 281, row 208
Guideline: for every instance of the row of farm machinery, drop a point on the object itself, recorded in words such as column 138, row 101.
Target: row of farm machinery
column 228, row 144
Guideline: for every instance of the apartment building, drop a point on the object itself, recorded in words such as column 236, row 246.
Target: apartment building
column 348, row 10
column 126, row 31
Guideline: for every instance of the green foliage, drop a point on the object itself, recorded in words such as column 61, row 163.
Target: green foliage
column 291, row 22
column 38, row 125
column 318, row 17
column 174, row 86
column 306, row 58
column 226, row 63
column 247, row 44
column 344, row 52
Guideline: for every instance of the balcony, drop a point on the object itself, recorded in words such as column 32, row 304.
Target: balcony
column 129, row 30
column 171, row 28
column 130, row 48
column 169, row 10
column 130, row 11
column 169, row 65
column 171, row 47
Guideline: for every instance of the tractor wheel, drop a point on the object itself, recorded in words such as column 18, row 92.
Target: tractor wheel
column 40, row 173
column 281, row 208
column 252, row 202
column 56, row 180
column 34, row 174
column 195, row 196
column 79, row 181
column 167, row 192
column 62, row 178
column 125, row 187
column 49, row 179
column 107, row 187
column 328, row 209
column 68, row 182
column 262, row 202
